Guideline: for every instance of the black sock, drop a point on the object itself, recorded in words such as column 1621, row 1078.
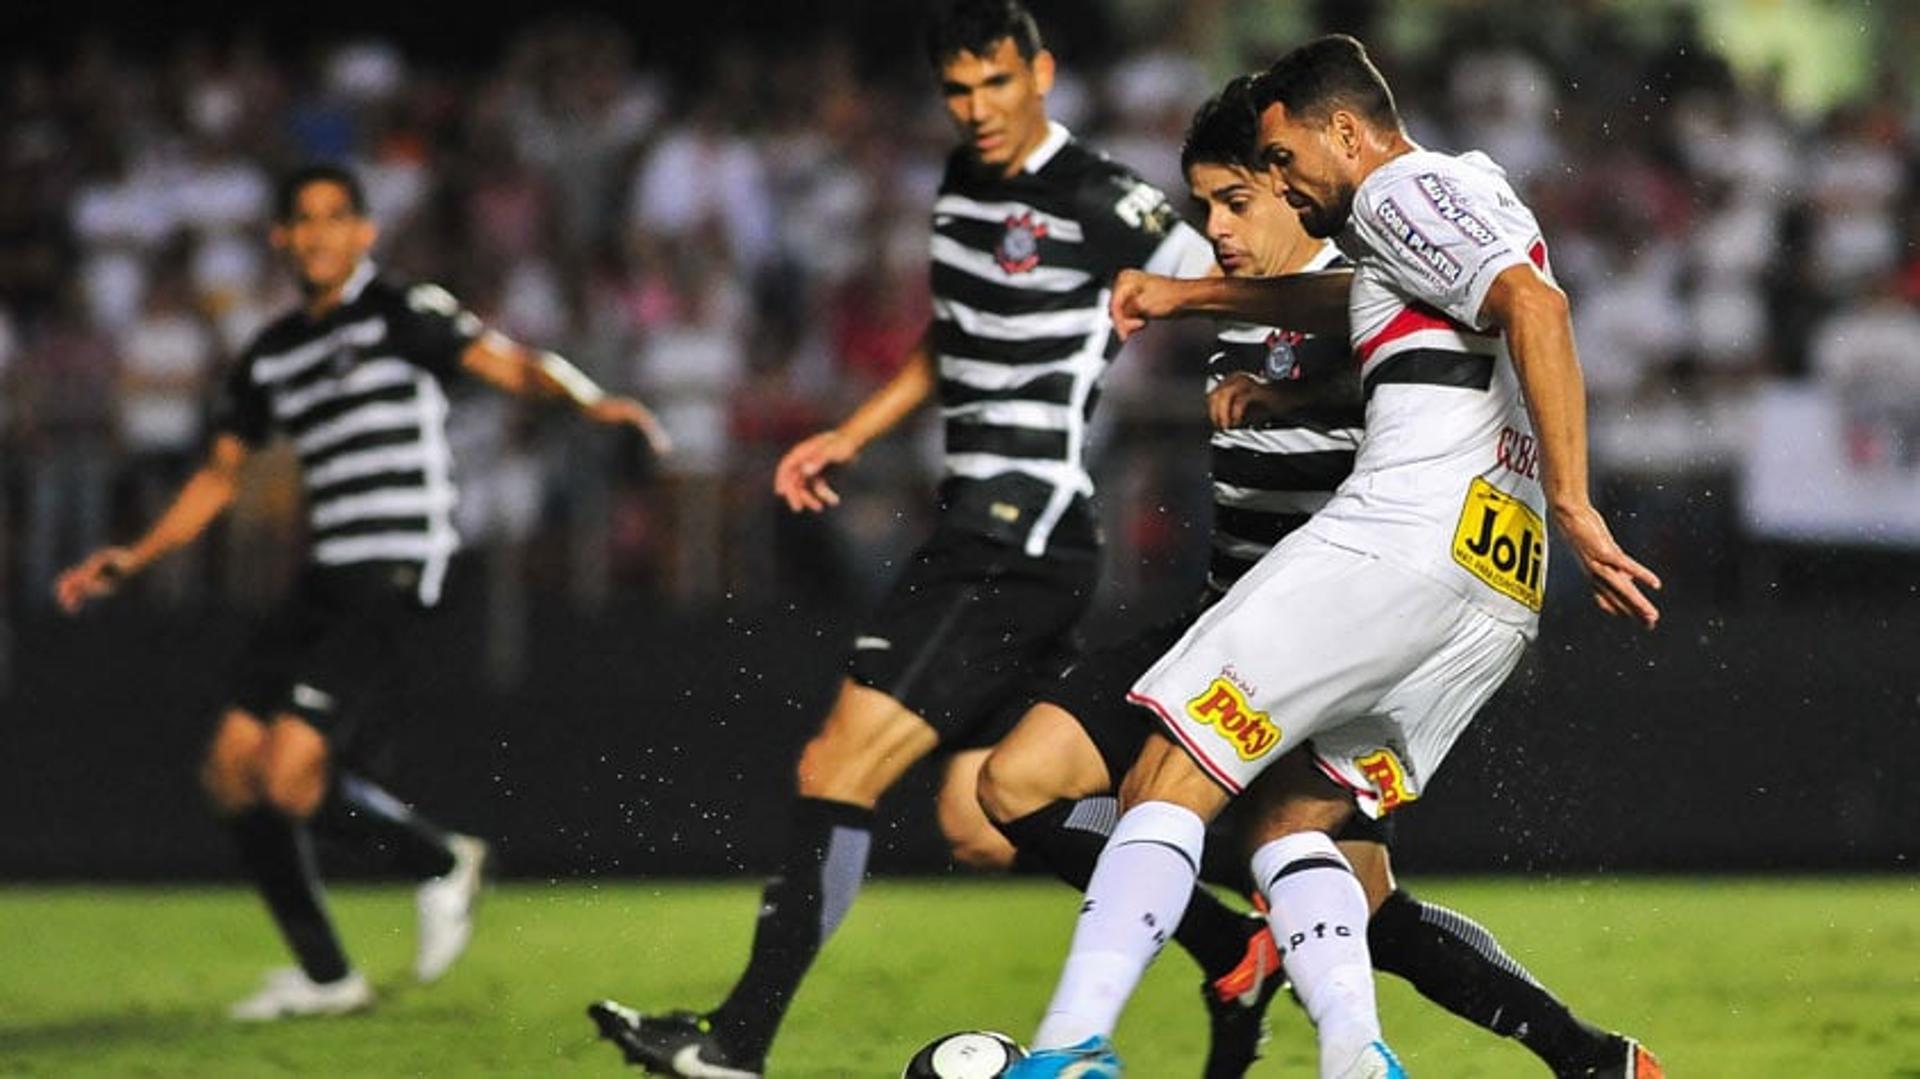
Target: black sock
column 1067, row 837
column 825, row 862
column 277, row 854
column 361, row 812
column 1457, row 964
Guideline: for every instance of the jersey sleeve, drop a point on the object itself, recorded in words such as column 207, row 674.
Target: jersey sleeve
column 240, row 407
column 1437, row 243
column 431, row 329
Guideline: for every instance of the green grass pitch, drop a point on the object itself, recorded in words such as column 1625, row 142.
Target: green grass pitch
column 1724, row 977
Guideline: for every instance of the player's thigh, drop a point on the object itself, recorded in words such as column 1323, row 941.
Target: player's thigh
column 1047, row 756
column 1388, row 756
column 868, row 741
column 974, row 840
column 294, row 764
column 1166, row 773
column 230, row 772
column 1311, row 637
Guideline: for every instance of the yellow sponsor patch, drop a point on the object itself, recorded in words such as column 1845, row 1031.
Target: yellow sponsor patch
column 1503, row 542
column 1223, row 707
column 1389, row 779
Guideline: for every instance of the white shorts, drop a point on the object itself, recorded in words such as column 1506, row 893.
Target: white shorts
column 1376, row 668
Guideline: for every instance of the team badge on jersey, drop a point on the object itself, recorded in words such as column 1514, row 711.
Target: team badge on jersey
column 1224, row 707
column 1019, row 249
column 1383, row 769
column 1283, row 361
column 1503, row 542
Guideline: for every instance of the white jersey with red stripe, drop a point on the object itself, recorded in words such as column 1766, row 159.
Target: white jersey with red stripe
column 1446, row 482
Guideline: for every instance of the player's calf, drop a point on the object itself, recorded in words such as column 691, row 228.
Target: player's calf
column 973, row 839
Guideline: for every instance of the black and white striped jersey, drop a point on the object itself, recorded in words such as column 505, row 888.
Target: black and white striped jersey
column 359, row 393
column 1022, row 269
column 1269, row 478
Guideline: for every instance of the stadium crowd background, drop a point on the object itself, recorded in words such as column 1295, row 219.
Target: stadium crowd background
column 741, row 240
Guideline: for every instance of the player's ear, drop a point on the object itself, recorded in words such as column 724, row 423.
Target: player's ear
column 1344, row 128
column 1043, row 71
column 367, row 233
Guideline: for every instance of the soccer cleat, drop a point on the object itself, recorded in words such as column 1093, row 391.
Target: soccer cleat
column 446, row 908
column 677, row 1043
column 287, row 993
column 1373, row 1061
column 1631, row 1061
column 1091, row 1059
column 1237, row 1005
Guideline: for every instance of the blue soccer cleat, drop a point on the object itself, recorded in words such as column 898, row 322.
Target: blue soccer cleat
column 1374, row 1061
column 1091, row 1059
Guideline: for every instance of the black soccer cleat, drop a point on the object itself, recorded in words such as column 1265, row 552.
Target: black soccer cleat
column 1626, row 1059
column 1237, row 1005
column 677, row 1043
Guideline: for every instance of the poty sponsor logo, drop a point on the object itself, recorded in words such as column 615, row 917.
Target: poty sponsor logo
column 1441, row 195
column 1224, row 707
column 1388, row 778
column 1423, row 249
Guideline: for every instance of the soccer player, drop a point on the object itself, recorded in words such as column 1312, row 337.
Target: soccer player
column 1029, row 229
column 1338, row 672
column 1268, row 476
column 353, row 376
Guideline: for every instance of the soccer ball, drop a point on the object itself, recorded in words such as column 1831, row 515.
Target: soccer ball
column 968, row 1054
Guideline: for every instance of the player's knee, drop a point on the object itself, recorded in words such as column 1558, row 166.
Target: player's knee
column 229, row 783
column 975, row 843
column 1010, row 788
column 294, row 791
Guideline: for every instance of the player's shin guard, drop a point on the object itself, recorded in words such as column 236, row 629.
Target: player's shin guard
column 825, row 862
column 1319, row 919
column 1066, row 838
column 278, row 856
column 1137, row 894
column 1458, row 965
column 357, row 810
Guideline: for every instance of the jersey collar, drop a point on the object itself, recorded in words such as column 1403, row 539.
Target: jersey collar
column 1057, row 136
column 357, row 282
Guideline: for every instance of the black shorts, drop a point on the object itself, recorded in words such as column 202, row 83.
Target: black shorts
column 969, row 630
column 1094, row 692
column 335, row 653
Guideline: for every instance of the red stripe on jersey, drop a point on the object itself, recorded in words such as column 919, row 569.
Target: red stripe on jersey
column 1538, row 254
column 1410, row 320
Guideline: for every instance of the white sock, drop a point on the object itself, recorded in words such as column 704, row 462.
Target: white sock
column 1319, row 919
column 1139, row 890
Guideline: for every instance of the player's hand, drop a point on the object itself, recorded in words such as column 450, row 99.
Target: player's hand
column 95, row 578
column 1139, row 298
column 1616, row 577
column 1240, row 399
column 626, row 411
column 801, row 477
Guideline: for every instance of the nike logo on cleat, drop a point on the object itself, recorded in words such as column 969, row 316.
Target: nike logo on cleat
column 687, row 1063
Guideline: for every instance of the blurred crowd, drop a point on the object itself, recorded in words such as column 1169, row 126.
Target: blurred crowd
column 746, row 249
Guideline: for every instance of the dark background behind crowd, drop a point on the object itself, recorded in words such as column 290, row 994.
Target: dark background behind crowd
column 724, row 209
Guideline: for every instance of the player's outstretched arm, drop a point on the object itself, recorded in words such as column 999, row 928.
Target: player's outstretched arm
column 524, row 372
column 1313, row 303
column 1539, row 328
column 801, row 477
column 204, row 497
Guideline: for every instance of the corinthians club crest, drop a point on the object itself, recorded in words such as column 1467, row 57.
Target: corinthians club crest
column 1283, row 362
column 1019, row 249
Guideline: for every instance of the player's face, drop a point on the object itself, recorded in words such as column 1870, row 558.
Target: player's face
column 998, row 103
column 1308, row 170
column 325, row 237
column 1252, row 231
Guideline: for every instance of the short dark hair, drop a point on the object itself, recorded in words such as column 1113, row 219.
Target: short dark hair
column 1225, row 130
column 287, row 196
column 1328, row 73
column 976, row 26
